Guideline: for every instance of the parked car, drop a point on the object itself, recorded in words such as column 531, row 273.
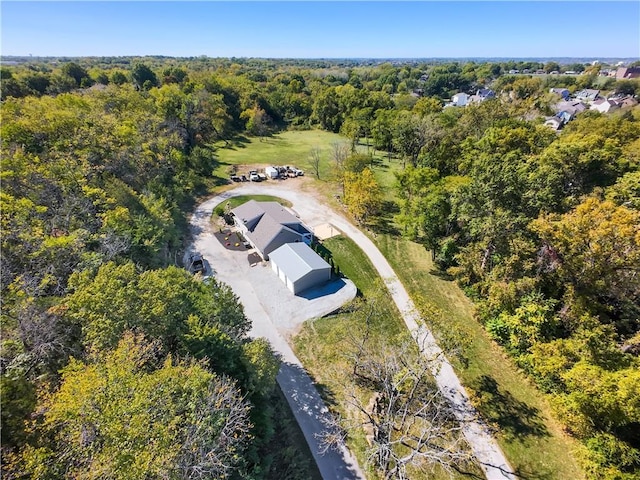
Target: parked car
column 196, row 264
column 254, row 177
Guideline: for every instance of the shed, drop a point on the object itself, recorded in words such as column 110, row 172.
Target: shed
column 299, row 267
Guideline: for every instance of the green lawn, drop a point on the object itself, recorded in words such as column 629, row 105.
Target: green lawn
column 286, row 148
column 240, row 199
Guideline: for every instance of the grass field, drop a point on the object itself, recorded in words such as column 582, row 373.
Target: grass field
column 286, row 148
column 233, row 202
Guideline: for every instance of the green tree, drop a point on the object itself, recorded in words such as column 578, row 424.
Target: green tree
column 427, row 106
column 118, row 77
column 75, row 71
column 128, row 417
column 143, row 77
column 597, row 249
column 362, row 195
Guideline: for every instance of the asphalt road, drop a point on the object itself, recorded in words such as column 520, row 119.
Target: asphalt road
column 313, row 212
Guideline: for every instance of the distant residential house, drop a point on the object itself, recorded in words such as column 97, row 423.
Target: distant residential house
column 604, row 106
column 573, row 107
column 554, row 122
column 486, row 93
column 587, row 95
column 563, row 92
column 482, row 95
column 622, row 100
column 460, row 99
column 627, row 73
column 268, row 225
column 565, row 116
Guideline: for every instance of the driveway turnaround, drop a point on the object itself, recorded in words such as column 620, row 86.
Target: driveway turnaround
column 274, row 311
column 313, row 213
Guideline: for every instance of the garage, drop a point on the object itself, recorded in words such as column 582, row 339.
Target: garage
column 299, row 267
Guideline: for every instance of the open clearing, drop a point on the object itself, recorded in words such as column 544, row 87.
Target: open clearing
column 286, row 148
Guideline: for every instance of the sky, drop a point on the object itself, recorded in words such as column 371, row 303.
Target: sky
column 335, row 29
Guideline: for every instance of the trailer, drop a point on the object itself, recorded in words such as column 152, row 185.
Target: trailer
column 271, row 172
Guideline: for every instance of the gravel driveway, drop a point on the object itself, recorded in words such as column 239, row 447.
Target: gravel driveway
column 274, row 313
column 314, row 213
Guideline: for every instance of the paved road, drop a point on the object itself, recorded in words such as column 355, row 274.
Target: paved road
column 314, row 213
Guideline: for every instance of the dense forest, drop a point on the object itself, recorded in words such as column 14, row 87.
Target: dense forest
column 106, row 341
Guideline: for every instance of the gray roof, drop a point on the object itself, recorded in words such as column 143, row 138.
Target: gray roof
column 269, row 224
column 252, row 211
column 269, row 235
column 588, row 93
column 297, row 260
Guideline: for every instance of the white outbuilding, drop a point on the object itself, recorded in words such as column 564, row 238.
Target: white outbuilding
column 299, row 267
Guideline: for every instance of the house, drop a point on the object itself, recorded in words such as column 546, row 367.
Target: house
column 572, row 106
column 554, row 122
column 460, row 99
column 587, row 95
column 565, row 116
column 627, row 73
column 628, row 102
column 299, row 267
column 482, row 95
column 604, row 106
column 268, row 225
column 563, row 92
column 485, row 93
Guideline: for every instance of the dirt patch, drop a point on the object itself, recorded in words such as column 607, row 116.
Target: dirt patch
column 326, row 230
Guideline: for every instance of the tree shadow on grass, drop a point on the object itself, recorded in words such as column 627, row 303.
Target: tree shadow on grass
column 384, row 223
column 515, row 418
column 442, row 274
column 236, row 142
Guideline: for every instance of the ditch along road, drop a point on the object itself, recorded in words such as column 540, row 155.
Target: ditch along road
column 309, row 409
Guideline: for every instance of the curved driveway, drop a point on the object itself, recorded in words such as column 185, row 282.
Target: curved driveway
column 309, row 413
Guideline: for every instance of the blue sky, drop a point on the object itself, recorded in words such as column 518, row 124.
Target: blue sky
column 323, row 29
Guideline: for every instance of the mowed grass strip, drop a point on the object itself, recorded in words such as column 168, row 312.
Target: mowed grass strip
column 323, row 345
column 234, row 202
column 526, row 430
